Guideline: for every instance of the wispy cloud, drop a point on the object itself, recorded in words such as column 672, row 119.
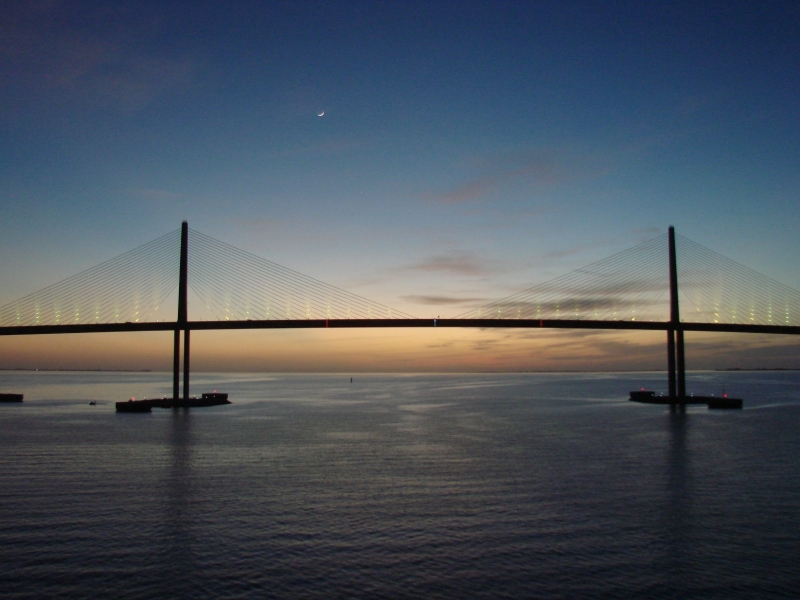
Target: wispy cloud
column 537, row 168
column 559, row 348
column 469, row 190
column 441, row 300
column 458, row 263
column 585, row 303
column 101, row 58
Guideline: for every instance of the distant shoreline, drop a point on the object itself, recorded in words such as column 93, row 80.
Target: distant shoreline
column 349, row 373
column 758, row 369
column 84, row 370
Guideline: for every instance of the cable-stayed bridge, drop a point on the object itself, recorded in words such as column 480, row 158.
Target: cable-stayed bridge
column 636, row 289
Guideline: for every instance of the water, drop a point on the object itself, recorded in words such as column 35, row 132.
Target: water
column 479, row 486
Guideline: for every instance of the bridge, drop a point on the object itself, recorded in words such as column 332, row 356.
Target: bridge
column 636, row 289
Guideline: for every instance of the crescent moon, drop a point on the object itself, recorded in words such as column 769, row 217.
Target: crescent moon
column 320, row 114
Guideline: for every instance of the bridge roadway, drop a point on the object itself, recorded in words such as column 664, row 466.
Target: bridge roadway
column 398, row 323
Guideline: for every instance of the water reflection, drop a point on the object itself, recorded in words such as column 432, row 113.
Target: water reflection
column 178, row 522
column 678, row 510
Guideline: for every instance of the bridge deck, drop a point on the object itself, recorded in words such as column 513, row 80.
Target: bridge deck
column 398, row 323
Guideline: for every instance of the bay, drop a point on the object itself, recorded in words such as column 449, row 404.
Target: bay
column 399, row 486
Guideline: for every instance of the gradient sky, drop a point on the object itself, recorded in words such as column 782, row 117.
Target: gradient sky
column 467, row 150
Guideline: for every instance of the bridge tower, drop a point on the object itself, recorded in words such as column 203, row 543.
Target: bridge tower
column 181, row 323
column 675, row 347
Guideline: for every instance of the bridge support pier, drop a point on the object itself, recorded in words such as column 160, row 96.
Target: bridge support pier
column 176, row 364
column 681, row 364
column 185, row 364
column 671, row 363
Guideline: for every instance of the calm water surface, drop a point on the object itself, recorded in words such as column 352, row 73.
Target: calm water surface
column 493, row 486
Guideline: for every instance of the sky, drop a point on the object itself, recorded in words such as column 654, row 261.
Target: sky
column 466, row 150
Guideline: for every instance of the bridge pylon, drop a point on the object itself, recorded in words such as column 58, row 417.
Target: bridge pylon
column 182, row 322
column 676, row 359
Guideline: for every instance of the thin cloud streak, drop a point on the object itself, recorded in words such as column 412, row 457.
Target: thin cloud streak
column 458, row 263
column 440, row 300
column 110, row 66
column 538, row 168
column 469, row 190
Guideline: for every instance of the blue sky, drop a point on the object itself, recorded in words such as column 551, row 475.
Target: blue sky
column 467, row 149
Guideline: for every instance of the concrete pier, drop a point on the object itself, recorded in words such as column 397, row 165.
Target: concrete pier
column 146, row 405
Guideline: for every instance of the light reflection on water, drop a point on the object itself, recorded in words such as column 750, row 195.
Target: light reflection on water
column 399, row 486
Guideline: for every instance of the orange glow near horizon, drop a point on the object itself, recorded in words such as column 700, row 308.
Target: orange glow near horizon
column 396, row 350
